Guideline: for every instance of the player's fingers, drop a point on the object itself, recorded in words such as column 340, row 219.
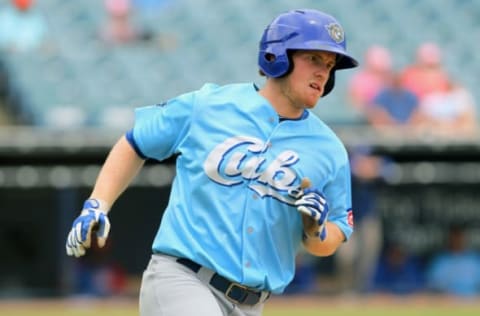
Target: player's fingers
column 103, row 230
column 103, row 227
column 68, row 250
column 311, row 208
column 305, row 210
column 314, row 204
column 68, row 244
column 73, row 243
column 72, row 239
column 80, row 251
column 315, row 197
column 305, row 202
column 77, row 232
column 88, row 237
column 86, row 229
column 101, row 241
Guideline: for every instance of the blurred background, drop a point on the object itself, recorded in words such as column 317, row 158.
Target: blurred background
column 71, row 73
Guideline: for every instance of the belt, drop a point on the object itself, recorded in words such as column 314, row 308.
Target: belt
column 235, row 292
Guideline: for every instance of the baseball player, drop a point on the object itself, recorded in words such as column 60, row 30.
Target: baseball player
column 257, row 176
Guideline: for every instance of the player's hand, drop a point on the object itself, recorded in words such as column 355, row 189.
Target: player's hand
column 312, row 204
column 93, row 216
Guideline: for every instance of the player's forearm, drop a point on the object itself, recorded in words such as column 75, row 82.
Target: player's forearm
column 327, row 247
column 119, row 169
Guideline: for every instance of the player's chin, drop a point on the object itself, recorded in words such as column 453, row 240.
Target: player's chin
column 313, row 98
column 310, row 103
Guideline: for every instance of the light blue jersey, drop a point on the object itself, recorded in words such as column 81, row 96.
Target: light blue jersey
column 232, row 207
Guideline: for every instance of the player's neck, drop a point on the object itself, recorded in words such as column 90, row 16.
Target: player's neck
column 280, row 101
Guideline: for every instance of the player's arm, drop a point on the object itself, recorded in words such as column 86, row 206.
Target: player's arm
column 320, row 237
column 314, row 245
column 119, row 169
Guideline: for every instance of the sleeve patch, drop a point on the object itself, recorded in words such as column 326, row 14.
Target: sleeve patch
column 350, row 217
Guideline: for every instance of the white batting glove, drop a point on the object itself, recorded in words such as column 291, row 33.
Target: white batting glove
column 313, row 204
column 93, row 215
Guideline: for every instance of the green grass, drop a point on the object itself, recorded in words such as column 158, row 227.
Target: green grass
column 268, row 312
column 374, row 311
column 277, row 307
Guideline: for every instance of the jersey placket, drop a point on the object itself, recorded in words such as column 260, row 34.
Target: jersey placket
column 253, row 219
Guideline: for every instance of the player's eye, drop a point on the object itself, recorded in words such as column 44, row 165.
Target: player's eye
column 320, row 62
column 313, row 58
column 330, row 65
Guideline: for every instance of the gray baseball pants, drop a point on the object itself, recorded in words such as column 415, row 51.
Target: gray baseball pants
column 171, row 289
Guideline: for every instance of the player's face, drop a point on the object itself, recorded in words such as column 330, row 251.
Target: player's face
column 310, row 73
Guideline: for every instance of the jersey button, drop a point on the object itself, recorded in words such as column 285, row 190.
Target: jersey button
column 247, row 264
column 250, row 229
column 255, row 197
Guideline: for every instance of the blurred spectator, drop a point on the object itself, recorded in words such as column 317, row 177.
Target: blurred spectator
column 450, row 112
column 365, row 84
column 427, row 74
column 355, row 260
column 22, row 27
column 398, row 272
column 456, row 270
column 394, row 106
column 119, row 27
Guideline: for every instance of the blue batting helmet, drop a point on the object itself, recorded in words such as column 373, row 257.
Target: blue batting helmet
column 305, row 29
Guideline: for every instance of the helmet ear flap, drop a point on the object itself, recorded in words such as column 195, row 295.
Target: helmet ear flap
column 274, row 65
column 330, row 83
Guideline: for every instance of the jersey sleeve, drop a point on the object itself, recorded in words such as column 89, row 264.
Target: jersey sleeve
column 159, row 129
column 339, row 197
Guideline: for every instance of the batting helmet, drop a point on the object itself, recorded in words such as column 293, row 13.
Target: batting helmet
column 305, row 29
